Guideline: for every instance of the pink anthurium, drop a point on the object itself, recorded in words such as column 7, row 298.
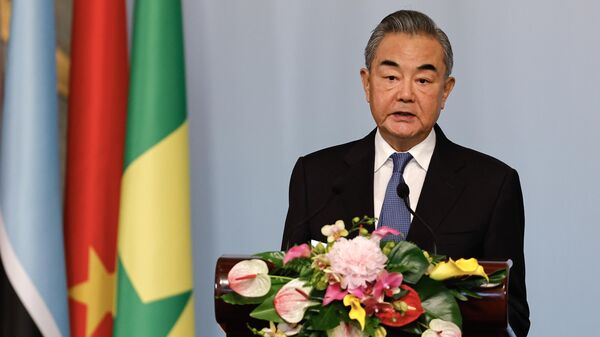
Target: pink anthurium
column 250, row 278
column 292, row 300
column 382, row 232
column 334, row 292
column 297, row 251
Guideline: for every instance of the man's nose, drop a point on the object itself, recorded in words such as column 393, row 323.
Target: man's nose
column 405, row 92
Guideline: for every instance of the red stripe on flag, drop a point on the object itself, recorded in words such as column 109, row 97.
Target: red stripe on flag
column 96, row 133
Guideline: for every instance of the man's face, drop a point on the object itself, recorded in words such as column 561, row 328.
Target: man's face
column 406, row 87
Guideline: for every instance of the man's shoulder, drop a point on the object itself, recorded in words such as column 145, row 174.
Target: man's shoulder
column 334, row 151
column 478, row 160
column 342, row 152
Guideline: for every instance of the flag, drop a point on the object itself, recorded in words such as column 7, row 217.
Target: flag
column 154, row 287
column 31, row 235
column 95, row 146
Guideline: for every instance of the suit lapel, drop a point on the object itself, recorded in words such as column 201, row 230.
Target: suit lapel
column 441, row 189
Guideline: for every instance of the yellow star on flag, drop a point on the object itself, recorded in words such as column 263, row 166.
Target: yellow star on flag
column 97, row 293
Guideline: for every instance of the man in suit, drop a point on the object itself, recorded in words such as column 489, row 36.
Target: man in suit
column 472, row 202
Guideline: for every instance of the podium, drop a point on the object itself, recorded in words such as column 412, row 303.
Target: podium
column 483, row 317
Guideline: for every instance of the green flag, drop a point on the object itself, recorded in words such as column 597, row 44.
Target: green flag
column 154, row 277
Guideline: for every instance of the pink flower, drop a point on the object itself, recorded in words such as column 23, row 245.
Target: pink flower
column 441, row 328
column 387, row 284
column 297, row 251
column 357, row 261
column 292, row 300
column 361, row 292
column 250, row 278
column 382, row 232
column 334, row 292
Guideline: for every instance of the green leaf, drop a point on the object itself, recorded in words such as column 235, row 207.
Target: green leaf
column 498, row 276
column 408, row 259
column 371, row 325
column 470, row 282
column 473, row 282
column 266, row 311
column 298, row 265
column 234, row 298
column 438, row 301
column 275, row 257
column 459, row 295
column 327, row 317
column 470, row 293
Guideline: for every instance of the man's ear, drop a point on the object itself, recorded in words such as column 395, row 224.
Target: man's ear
column 364, row 77
column 448, row 86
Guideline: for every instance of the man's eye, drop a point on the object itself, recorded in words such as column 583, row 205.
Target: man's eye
column 391, row 78
column 423, row 81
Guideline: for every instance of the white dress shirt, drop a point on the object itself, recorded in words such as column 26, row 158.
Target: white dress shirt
column 414, row 172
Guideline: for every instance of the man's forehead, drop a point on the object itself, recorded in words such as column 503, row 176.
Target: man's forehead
column 419, row 51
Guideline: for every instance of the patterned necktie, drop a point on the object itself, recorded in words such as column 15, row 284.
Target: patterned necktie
column 394, row 213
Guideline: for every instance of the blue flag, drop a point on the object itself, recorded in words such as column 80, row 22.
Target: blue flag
column 31, row 236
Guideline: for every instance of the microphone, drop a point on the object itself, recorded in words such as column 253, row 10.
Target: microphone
column 336, row 189
column 403, row 191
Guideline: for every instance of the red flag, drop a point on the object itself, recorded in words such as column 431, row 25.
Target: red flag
column 96, row 131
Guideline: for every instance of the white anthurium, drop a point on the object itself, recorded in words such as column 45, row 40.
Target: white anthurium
column 250, row 278
column 292, row 300
column 441, row 328
column 345, row 330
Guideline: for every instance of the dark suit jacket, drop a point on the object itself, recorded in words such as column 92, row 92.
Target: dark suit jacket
column 472, row 201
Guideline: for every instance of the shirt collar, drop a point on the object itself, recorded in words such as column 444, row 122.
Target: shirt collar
column 421, row 152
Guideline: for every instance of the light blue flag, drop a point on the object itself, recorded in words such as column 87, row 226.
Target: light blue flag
column 31, row 235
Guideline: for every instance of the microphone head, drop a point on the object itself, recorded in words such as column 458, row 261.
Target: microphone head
column 402, row 190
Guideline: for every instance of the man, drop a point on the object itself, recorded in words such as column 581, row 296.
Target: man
column 472, row 202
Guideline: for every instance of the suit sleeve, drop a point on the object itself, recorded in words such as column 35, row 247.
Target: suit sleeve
column 505, row 240
column 296, row 228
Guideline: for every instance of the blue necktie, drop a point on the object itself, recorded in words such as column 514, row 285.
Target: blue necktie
column 394, row 213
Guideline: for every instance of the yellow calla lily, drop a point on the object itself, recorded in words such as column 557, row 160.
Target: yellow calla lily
column 356, row 311
column 461, row 267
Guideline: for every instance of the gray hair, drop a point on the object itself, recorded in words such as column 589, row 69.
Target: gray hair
column 410, row 22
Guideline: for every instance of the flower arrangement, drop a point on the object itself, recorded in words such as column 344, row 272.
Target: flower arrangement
column 356, row 287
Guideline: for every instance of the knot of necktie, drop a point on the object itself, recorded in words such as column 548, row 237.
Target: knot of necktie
column 400, row 160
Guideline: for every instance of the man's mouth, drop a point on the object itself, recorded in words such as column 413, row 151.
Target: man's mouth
column 402, row 114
